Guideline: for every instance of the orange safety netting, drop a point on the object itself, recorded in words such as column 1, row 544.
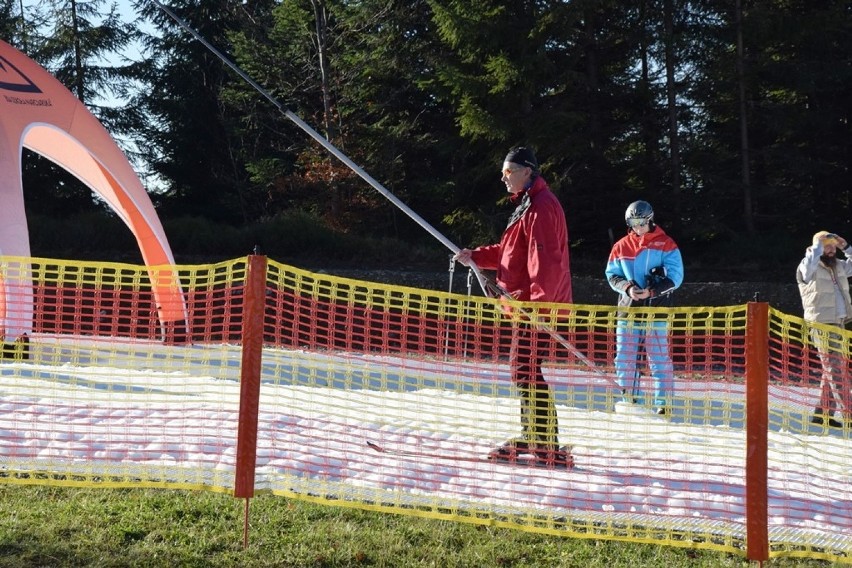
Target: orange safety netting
column 391, row 398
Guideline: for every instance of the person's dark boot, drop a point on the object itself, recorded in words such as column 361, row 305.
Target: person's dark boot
column 509, row 450
column 822, row 419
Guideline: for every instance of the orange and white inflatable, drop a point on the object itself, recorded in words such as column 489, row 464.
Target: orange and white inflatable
column 37, row 112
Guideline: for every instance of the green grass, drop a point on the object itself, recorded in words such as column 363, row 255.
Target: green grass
column 49, row 526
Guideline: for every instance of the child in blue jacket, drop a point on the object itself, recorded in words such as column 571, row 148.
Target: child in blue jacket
column 644, row 267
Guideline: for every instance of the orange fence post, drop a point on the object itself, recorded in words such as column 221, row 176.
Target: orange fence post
column 757, row 425
column 252, row 340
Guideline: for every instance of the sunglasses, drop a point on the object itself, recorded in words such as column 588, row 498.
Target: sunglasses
column 509, row 171
column 637, row 222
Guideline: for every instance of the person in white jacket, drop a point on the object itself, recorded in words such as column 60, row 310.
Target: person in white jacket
column 823, row 281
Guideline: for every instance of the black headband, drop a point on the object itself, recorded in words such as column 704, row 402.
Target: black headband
column 523, row 156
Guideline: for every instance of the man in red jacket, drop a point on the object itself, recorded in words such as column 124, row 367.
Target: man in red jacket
column 531, row 261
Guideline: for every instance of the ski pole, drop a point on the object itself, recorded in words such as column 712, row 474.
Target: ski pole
column 452, row 270
column 637, row 374
column 466, row 310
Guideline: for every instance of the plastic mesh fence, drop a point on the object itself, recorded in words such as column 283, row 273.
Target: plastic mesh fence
column 390, row 398
column 101, row 393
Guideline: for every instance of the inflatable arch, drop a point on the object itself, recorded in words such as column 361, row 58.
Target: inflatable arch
column 39, row 113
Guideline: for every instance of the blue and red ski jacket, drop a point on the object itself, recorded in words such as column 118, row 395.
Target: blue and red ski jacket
column 651, row 261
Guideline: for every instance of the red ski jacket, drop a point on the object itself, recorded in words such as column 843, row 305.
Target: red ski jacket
column 531, row 258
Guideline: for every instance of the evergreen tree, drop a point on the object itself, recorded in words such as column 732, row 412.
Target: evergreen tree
column 800, row 121
column 83, row 50
column 293, row 53
column 552, row 75
column 75, row 41
column 19, row 23
column 662, row 114
column 356, row 73
column 10, row 22
column 393, row 120
column 795, row 79
column 731, row 118
column 186, row 141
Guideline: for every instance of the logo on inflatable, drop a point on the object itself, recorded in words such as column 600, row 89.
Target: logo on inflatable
column 12, row 79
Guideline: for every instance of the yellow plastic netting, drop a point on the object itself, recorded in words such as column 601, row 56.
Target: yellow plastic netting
column 391, row 398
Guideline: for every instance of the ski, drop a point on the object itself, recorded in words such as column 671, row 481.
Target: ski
column 523, row 460
column 415, row 454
